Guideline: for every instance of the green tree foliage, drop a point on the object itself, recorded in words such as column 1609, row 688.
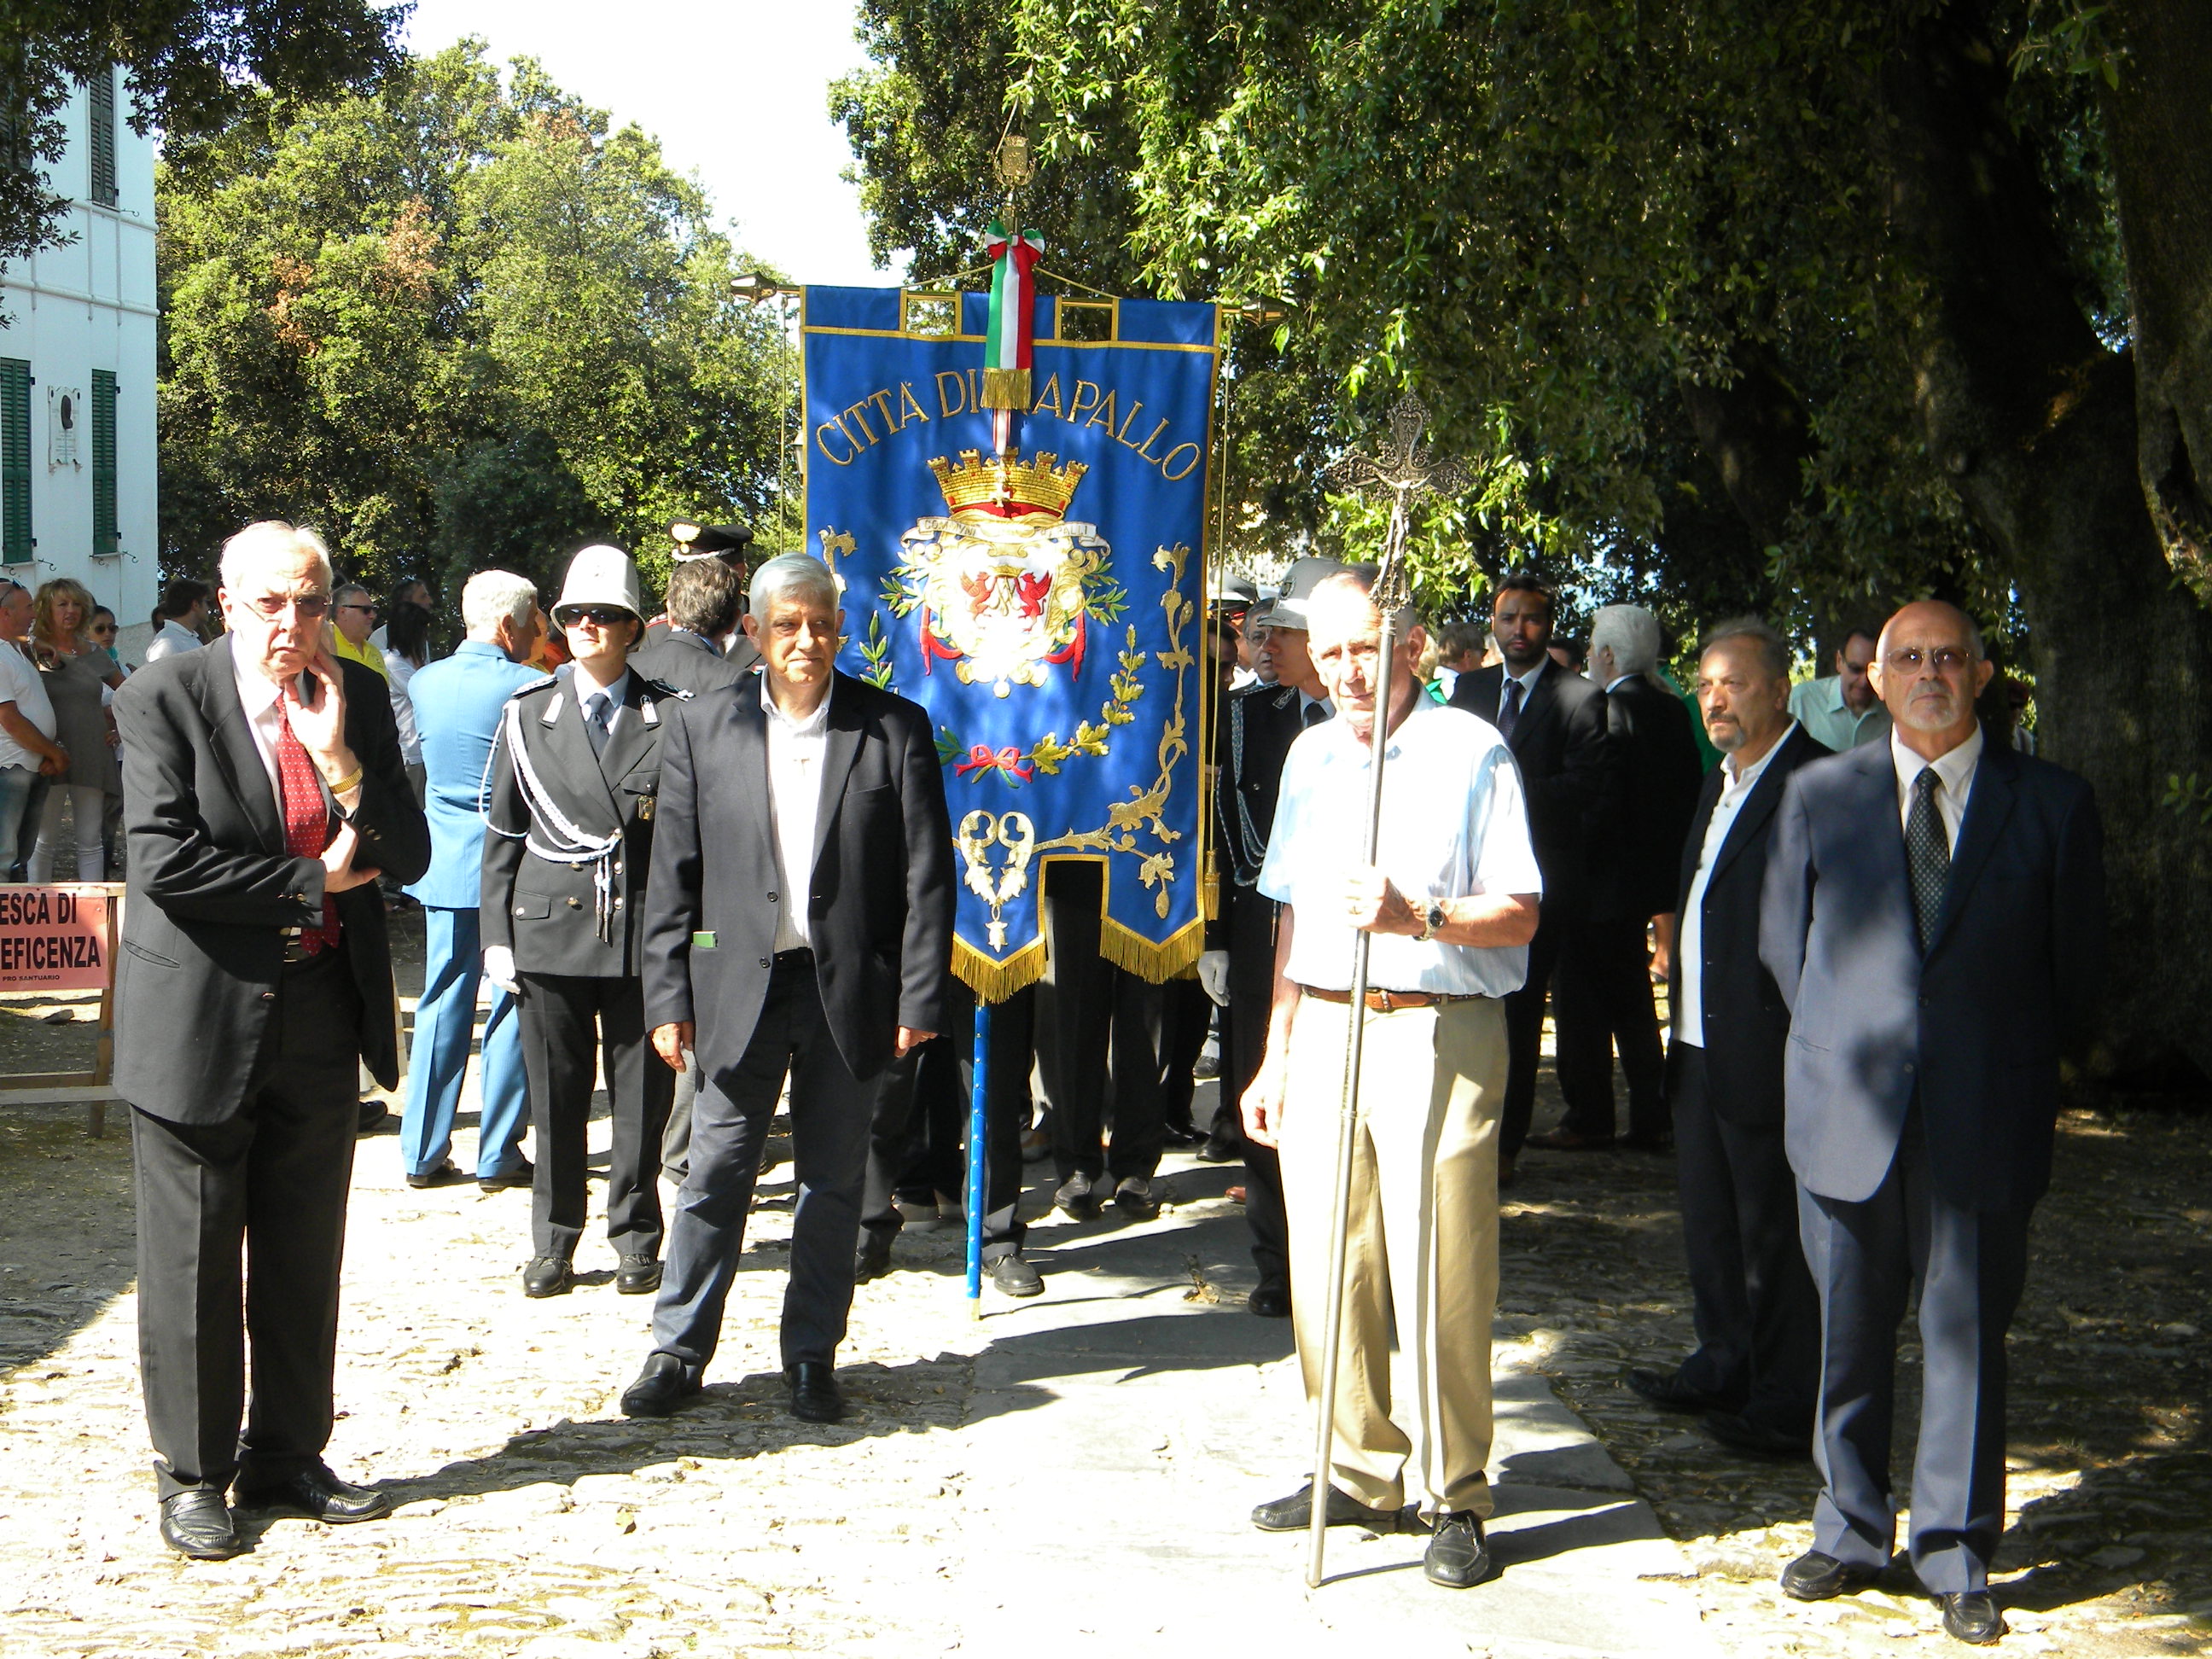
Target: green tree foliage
column 455, row 323
column 194, row 67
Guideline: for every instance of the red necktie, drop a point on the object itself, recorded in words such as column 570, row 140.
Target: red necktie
column 306, row 821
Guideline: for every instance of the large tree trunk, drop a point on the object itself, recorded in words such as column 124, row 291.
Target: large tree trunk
column 2035, row 421
column 2160, row 121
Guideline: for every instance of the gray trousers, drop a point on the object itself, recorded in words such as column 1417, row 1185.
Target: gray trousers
column 830, row 1111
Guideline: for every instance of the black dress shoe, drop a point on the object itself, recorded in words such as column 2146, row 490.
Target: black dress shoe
column 520, row 1175
column 1971, row 1616
column 1181, row 1135
column 1077, row 1196
column 1458, row 1556
column 660, row 1388
column 1667, row 1390
column 1134, row 1198
column 1814, row 1576
column 872, row 1260
column 1014, row 1277
column 1740, row 1434
column 637, row 1275
column 1295, row 1513
column 1270, row 1301
column 1220, row 1149
column 814, row 1395
column 548, row 1275
column 198, row 1523
column 444, row 1175
column 319, row 1495
column 373, row 1114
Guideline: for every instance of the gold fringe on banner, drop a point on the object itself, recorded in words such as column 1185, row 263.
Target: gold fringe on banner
column 993, row 981
column 1005, row 388
column 1171, row 958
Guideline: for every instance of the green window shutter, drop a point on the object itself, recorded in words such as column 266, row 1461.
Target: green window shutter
column 107, row 539
column 16, row 542
column 101, row 89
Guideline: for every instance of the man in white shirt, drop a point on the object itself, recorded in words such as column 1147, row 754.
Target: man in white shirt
column 1451, row 906
column 1841, row 710
column 28, row 753
column 1758, row 1318
column 184, row 614
column 799, row 931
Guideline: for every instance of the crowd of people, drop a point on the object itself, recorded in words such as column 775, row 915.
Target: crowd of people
column 702, row 865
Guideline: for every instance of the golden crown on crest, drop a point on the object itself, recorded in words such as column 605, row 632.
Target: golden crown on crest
column 1007, row 486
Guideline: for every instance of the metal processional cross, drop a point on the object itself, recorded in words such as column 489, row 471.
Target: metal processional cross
column 1406, row 470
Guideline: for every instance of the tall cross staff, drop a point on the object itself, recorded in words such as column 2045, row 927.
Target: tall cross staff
column 1405, row 470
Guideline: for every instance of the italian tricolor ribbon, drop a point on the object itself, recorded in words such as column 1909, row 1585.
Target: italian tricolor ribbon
column 1008, row 344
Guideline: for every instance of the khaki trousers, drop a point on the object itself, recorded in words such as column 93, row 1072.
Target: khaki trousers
column 1423, row 1240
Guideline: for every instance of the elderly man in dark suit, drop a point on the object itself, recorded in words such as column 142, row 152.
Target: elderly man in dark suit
column 1933, row 917
column 1758, row 1317
column 799, row 923
column 263, row 792
column 1604, row 987
column 1554, row 721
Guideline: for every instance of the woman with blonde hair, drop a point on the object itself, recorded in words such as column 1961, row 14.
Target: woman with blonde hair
column 76, row 669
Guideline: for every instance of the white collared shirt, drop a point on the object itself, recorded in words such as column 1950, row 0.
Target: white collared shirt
column 1454, row 825
column 795, row 749
column 618, row 696
column 259, row 696
column 173, row 640
column 1527, row 684
column 1955, row 771
column 1690, row 948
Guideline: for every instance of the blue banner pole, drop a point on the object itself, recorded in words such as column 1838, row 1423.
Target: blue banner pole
column 978, row 1096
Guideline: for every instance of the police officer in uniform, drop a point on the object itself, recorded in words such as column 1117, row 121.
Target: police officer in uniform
column 697, row 543
column 574, row 772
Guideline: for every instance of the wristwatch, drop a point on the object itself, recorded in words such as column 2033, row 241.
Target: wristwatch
column 1431, row 919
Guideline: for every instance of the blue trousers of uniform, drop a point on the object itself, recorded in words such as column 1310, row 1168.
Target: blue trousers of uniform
column 445, row 1020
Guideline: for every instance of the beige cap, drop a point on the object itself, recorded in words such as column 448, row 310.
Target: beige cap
column 600, row 575
column 1288, row 608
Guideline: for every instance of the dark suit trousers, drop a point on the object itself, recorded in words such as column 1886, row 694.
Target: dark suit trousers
column 830, row 1112
column 1524, row 1035
column 920, row 1123
column 1969, row 1267
column 1100, row 1031
column 572, row 1026
column 268, row 1185
column 1601, row 999
column 1758, row 1315
column 1189, row 1014
column 1251, row 992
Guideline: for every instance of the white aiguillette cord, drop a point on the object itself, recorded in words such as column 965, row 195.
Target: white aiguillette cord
column 576, row 843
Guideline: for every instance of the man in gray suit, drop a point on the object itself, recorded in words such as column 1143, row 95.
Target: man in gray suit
column 816, row 942
column 1933, row 917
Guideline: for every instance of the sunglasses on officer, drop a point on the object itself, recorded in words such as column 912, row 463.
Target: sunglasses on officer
column 599, row 615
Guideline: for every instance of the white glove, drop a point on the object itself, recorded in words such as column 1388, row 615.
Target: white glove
column 499, row 967
column 1213, row 974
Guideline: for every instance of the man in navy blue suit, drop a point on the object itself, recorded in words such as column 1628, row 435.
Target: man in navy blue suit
column 1934, row 916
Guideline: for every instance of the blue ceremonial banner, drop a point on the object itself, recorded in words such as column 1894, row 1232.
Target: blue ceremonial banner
column 1047, row 605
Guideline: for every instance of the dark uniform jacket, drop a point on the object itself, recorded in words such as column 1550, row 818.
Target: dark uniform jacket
column 212, row 890
column 565, row 857
column 1259, row 723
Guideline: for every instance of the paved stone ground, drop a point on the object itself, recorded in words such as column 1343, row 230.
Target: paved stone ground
column 1072, row 1472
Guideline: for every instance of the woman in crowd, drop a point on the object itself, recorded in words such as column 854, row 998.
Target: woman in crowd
column 406, row 649
column 78, row 673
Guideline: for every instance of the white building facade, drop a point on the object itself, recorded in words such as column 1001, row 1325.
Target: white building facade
column 78, row 460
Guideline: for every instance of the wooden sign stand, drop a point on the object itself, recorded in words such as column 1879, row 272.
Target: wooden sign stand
column 92, row 1087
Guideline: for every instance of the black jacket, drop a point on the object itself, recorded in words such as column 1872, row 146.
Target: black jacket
column 677, row 657
column 880, row 902
column 1746, row 1024
column 544, row 906
column 1569, row 771
column 1639, row 848
column 211, row 887
column 1259, row 723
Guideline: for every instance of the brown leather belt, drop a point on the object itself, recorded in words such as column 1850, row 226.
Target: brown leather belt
column 1385, row 1002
